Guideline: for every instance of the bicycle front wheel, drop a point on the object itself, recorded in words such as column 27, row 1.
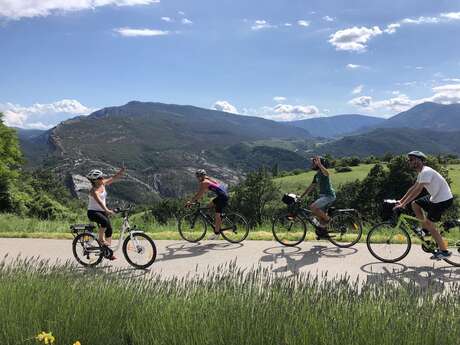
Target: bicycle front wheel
column 289, row 229
column 388, row 243
column 345, row 229
column 139, row 250
column 234, row 228
column 192, row 227
column 87, row 250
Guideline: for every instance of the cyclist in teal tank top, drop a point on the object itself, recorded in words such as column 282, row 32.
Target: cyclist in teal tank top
column 326, row 194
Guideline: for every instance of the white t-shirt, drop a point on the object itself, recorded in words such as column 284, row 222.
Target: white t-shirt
column 435, row 184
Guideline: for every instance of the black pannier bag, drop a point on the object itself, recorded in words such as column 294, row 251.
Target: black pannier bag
column 289, row 199
column 387, row 209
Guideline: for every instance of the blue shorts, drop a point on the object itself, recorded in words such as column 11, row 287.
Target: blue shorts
column 324, row 201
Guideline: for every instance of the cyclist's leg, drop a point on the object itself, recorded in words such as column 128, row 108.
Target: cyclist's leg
column 219, row 204
column 319, row 206
column 434, row 213
column 105, row 228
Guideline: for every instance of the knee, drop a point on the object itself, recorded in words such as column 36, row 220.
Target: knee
column 313, row 207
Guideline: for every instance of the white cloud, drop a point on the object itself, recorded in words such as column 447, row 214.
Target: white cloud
column 166, row 19
column 391, row 28
column 41, row 115
column 358, row 89
column 17, row 9
column 182, row 13
column 186, row 21
column 287, row 24
column 130, row 32
column 420, row 20
column 279, row 99
column 288, row 112
column 445, row 94
column 454, row 80
column 354, row 39
column 328, row 19
column 304, row 23
column 451, row 15
column 353, row 66
column 261, row 24
column 225, row 106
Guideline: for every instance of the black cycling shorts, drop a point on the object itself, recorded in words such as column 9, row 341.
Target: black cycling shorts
column 220, row 202
column 102, row 220
column 434, row 210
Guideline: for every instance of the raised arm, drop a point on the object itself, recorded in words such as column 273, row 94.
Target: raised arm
column 115, row 177
column 321, row 166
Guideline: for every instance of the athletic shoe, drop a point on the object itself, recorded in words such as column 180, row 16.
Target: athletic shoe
column 214, row 236
column 441, row 254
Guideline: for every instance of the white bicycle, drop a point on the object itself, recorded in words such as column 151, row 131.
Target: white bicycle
column 138, row 248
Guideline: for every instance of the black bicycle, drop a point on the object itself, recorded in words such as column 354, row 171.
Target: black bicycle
column 194, row 223
column 290, row 227
column 138, row 248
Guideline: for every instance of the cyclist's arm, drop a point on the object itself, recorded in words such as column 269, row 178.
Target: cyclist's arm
column 200, row 193
column 110, row 180
column 322, row 168
column 99, row 201
column 308, row 190
column 412, row 193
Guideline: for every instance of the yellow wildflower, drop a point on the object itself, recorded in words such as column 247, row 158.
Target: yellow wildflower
column 77, row 343
column 47, row 338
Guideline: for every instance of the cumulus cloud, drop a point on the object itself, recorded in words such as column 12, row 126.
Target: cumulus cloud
column 17, row 9
column 261, row 24
column 358, row 89
column 451, row 15
column 353, row 66
column 444, row 94
column 186, row 21
column 304, row 23
column 288, row 112
column 225, row 106
column 130, row 32
column 328, row 19
column 287, row 24
column 391, row 28
column 40, row 115
column 354, row 39
column 279, row 99
column 166, row 19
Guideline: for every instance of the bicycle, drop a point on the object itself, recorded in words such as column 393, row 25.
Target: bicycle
column 193, row 225
column 138, row 248
column 290, row 228
column 390, row 241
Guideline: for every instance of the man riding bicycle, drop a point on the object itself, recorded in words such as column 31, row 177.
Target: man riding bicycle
column 207, row 183
column 440, row 198
column 326, row 195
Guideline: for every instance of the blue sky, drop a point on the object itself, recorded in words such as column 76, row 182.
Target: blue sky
column 282, row 60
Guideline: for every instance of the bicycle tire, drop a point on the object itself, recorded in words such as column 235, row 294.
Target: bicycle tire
column 90, row 246
column 234, row 227
column 349, row 226
column 378, row 242
column 186, row 226
column 288, row 229
column 136, row 248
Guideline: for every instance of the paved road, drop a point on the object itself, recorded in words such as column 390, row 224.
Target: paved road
column 182, row 259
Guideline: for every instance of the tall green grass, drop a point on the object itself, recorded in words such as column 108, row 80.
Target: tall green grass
column 227, row 306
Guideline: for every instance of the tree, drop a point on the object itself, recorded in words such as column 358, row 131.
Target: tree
column 252, row 196
column 10, row 163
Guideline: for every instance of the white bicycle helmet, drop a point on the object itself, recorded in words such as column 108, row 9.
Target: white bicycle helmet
column 417, row 154
column 94, row 174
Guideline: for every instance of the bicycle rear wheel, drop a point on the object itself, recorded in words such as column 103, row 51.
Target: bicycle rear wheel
column 87, row 250
column 192, row 227
column 139, row 250
column 289, row 229
column 345, row 229
column 234, row 227
column 388, row 243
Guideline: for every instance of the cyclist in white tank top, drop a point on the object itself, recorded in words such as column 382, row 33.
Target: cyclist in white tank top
column 97, row 208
